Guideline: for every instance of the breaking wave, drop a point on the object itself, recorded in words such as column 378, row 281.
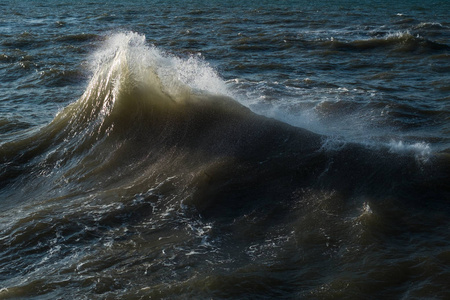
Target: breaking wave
column 157, row 157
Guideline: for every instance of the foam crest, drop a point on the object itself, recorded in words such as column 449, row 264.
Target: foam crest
column 176, row 76
column 422, row 151
column 131, row 78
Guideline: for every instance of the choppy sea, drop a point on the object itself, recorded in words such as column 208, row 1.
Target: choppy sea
column 225, row 149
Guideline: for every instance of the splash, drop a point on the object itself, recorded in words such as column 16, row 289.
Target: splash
column 176, row 75
column 422, row 151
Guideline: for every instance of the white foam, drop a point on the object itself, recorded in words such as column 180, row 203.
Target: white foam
column 175, row 74
column 333, row 143
column 421, row 150
column 402, row 35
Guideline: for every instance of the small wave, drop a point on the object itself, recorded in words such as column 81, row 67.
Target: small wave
column 58, row 77
column 6, row 58
column 399, row 41
column 8, row 125
column 432, row 25
column 24, row 41
column 82, row 37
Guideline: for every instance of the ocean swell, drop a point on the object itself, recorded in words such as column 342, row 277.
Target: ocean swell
column 143, row 107
column 155, row 168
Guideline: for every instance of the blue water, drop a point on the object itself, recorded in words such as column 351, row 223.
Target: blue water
column 211, row 149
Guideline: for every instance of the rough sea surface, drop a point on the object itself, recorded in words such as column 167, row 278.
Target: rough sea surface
column 225, row 149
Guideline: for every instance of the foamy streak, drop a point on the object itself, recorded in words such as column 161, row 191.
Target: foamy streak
column 420, row 150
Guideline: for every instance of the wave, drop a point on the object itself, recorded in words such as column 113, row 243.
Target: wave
column 432, row 25
column 82, row 37
column 141, row 100
column 397, row 42
column 147, row 114
column 157, row 154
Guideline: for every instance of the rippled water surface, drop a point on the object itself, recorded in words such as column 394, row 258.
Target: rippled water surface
column 211, row 149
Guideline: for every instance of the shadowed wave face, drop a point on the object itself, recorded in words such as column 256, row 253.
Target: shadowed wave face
column 157, row 183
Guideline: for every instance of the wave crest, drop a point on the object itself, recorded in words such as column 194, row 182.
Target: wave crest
column 399, row 41
column 132, row 79
column 136, row 92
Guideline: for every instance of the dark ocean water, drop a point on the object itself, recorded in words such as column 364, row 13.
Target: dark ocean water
column 225, row 149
